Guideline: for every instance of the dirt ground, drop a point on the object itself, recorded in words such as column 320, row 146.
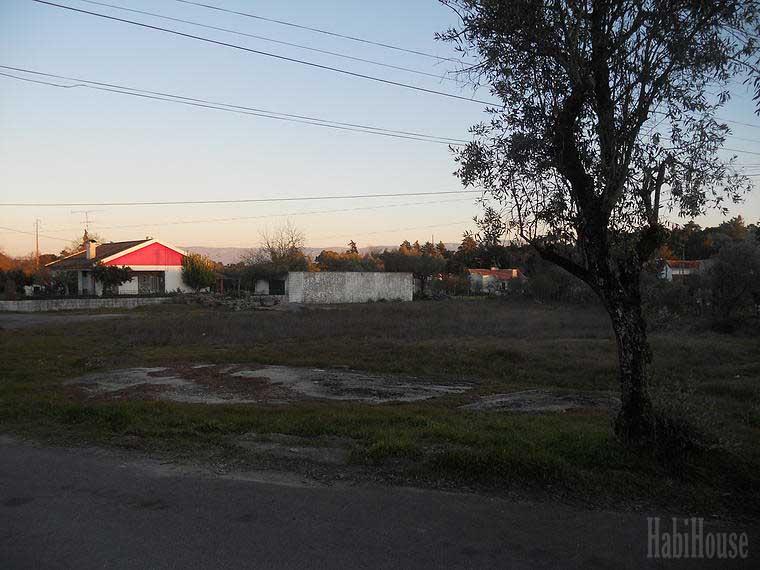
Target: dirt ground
column 258, row 384
column 543, row 401
column 247, row 384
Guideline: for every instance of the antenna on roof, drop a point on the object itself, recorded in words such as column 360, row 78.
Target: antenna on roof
column 86, row 214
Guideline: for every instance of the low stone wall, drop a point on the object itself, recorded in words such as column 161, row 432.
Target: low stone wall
column 35, row 305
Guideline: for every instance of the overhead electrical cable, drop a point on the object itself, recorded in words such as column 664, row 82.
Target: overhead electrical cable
column 266, row 54
column 319, row 31
column 267, row 216
column 236, row 200
column 14, row 230
column 272, row 40
column 265, row 113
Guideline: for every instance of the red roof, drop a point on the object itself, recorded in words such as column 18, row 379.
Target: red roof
column 683, row 264
column 144, row 252
column 79, row 260
column 500, row 274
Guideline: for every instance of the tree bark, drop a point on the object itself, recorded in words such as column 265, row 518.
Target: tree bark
column 634, row 421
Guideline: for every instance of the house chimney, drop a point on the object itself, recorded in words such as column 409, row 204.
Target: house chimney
column 90, row 248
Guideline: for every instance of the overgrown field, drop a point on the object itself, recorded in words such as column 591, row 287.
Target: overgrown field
column 497, row 345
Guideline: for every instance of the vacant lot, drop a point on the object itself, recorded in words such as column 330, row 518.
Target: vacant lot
column 460, row 353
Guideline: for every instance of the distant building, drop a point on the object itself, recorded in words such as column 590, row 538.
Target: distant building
column 156, row 266
column 678, row 269
column 494, row 281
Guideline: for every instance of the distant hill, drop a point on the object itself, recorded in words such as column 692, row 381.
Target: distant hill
column 229, row 255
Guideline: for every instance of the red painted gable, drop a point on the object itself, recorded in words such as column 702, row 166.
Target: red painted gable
column 153, row 254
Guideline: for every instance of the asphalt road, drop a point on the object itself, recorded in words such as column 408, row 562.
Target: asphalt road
column 91, row 508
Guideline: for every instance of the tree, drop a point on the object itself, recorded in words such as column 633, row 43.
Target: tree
column 577, row 154
column 352, row 247
column 281, row 251
column 735, row 228
column 413, row 260
column 347, row 261
column 734, row 277
column 198, row 271
column 111, row 276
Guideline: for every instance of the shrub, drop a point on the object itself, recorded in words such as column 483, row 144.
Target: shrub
column 111, row 276
column 198, row 271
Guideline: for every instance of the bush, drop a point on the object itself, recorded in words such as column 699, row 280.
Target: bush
column 198, row 272
column 111, row 276
column 734, row 279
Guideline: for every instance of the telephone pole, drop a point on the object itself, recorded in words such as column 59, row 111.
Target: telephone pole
column 37, row 242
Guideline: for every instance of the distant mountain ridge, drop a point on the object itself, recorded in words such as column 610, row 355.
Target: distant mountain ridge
column 229, row 255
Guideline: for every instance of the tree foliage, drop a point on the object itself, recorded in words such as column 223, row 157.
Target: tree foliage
column 111, row 276
column 198, row 271
column 350, row 260
column 609, row 114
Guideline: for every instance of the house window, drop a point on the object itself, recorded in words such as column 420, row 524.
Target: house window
column 85, row 283
column 150, row 282
column 276, row 286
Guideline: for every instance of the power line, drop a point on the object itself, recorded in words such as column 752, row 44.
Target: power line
column 14, row 230
column 740, row 150
column 446, row 224
column 240, row 109
column 272, row 40
column 273, row 215
column 267, row 54
column 319, row 31
column 738, row 123
column 234, row 201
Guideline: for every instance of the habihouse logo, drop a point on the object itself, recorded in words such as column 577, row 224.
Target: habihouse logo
column 686, row 538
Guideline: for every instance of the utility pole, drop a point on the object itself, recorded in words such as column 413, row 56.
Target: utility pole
column 37, row 242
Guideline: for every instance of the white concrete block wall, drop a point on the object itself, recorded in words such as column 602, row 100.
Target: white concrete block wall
column 348, row 287
column 173, row 280
column 294, row 286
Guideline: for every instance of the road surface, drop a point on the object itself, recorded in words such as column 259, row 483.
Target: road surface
column 93, row 508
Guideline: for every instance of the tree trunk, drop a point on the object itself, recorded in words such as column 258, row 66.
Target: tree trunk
column 634, row 422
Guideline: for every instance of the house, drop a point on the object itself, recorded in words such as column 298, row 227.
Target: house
column 156, row 266
column 494, row 280
column 678, row 269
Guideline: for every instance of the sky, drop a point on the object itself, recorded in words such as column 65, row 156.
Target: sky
column 82, row 145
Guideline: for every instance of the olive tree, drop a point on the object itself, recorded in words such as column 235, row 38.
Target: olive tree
column 607, row 116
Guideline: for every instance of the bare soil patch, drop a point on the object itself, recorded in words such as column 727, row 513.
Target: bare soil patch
column 244, row 384
column 541, row 401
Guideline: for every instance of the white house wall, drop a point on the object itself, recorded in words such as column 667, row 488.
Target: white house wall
column 348, row 287
column 172, row 280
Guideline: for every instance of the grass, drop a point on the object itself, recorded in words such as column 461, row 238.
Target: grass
column 498, row 346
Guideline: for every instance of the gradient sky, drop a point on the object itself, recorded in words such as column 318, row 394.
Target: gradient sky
column 84, row 145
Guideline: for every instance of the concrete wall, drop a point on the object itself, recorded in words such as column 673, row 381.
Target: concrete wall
column 33, row 306
column 173, row 280
column 348, row 287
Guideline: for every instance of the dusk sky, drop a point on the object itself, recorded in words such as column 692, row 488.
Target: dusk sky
column 82, row 145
